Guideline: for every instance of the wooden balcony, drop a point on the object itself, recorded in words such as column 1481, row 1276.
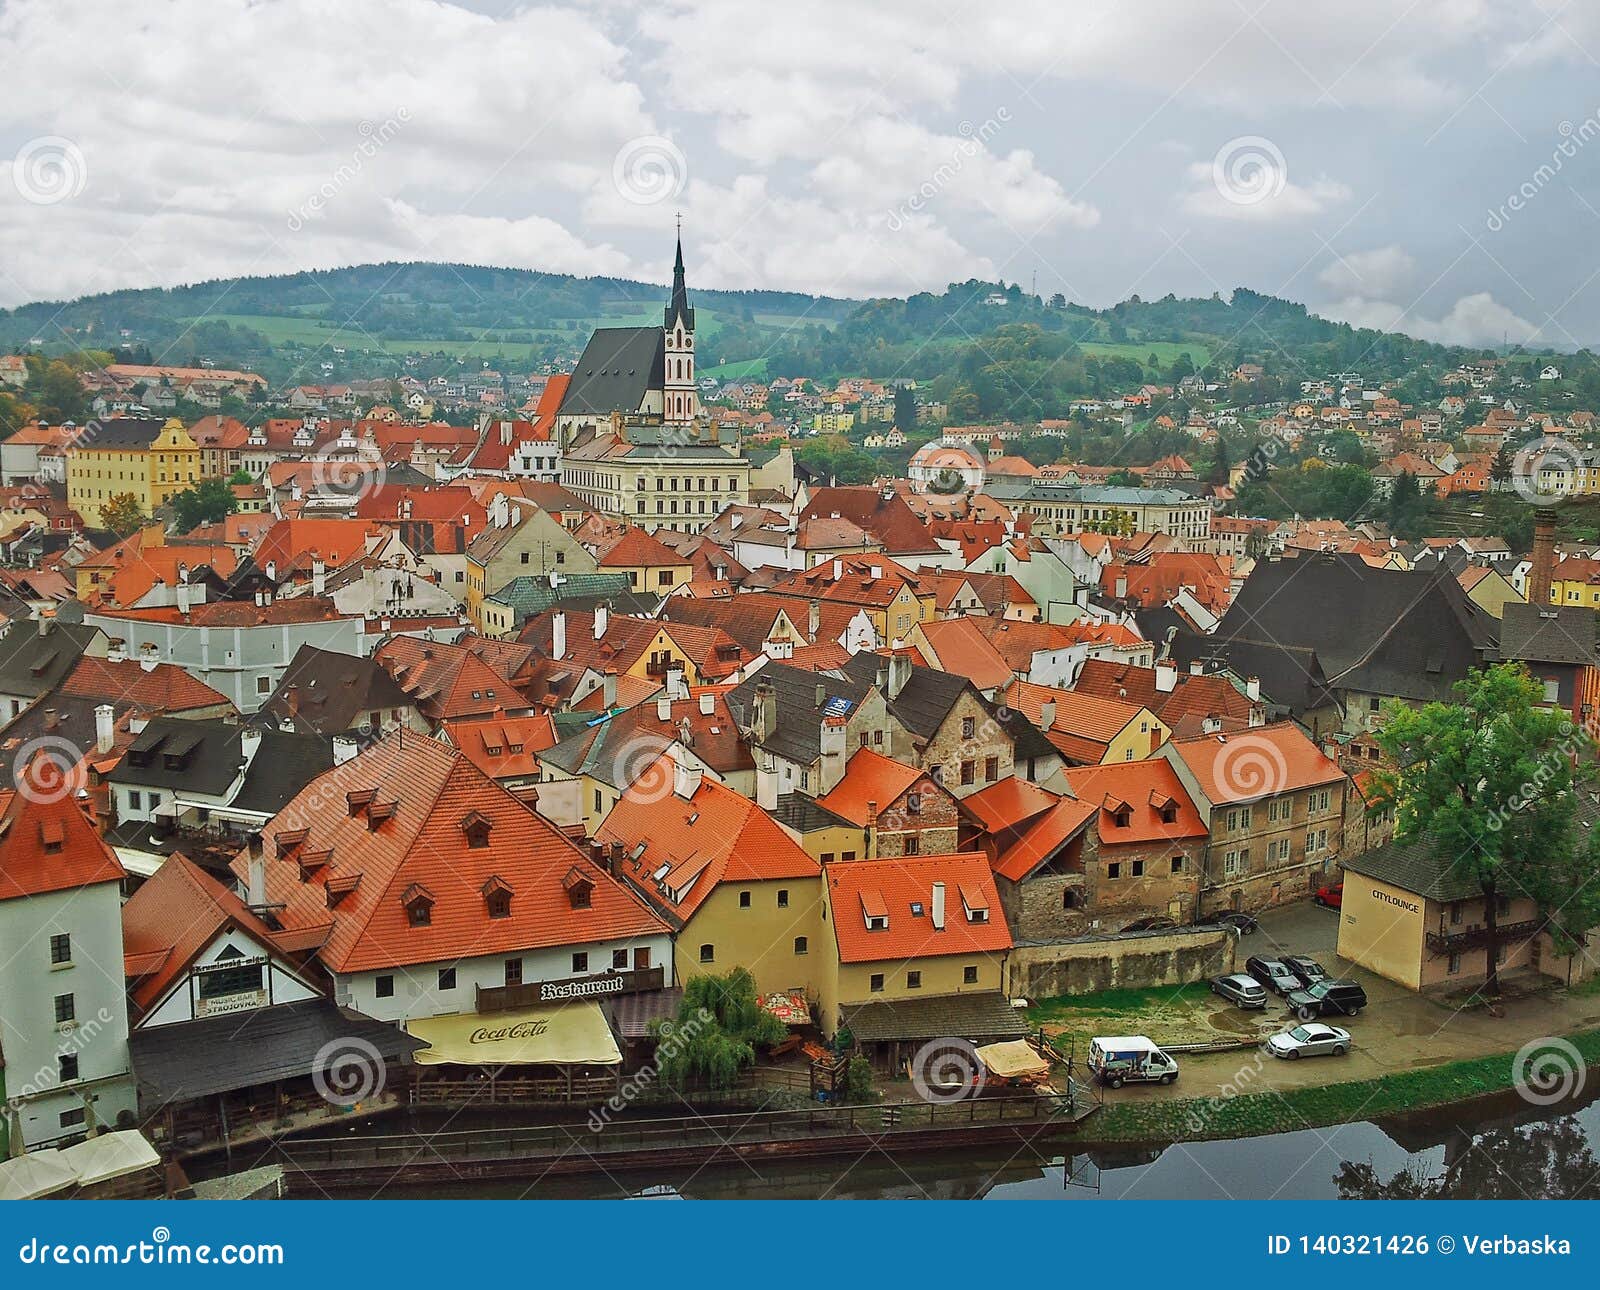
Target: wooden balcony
column 1473, row 938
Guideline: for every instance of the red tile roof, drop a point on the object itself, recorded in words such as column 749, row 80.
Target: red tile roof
column 503, row 747
column 162, row 687
column 1145, row 786
column 1258, row 763
column 710, row 837
column 174, row 915
column 857, row 888
column 428, row 794
column 869, row 776
column 46, row 842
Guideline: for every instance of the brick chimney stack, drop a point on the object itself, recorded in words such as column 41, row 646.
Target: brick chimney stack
column 1544, row 557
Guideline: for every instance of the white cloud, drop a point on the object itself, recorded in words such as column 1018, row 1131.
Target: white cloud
column 1475, row 320
column 1267, row 196
column 1383, row 272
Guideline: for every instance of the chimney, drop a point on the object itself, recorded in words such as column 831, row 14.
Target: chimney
column 51, row 719
column 47, row 619
column 1047, row 715
column 686, row 779
column 601, row 616
column 675, row 687
column 1252, row 687
column 870, row 850
column 708, row 703
column 272, row 571
column 558, row 635
column 938, row 907
column 838, row 570
column 766, row 783
column 764, row 720
column 104, row 728
column 344, row 748
column 1210, row 724
column 899, row 674
column 117, row 651
column 1544, row 556
column 813, row 621
column 1166, row 678
column 319, row 576
column 608, row 689
column 664, row 708
column 614, row 853
column 249, row 744
column 1196, row 667
column 256, row 895
column 834, row 732
column 182, row 590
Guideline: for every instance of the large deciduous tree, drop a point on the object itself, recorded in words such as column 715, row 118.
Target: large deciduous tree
column 1491, row 782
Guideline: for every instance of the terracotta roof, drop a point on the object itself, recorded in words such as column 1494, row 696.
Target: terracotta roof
column 503, row 747
column 46, row 841
column 426, row 795
column 174, row 915
column 960, row 646
column 1191, row 699
column 1084, row 724
column 237, row 613
column 1145, row 786
column 1043, row 837
column 449, row 682
column 712, row 836
column 869, row 776
column 1258, row 763
column 636, row 549
column 1008, row 803
column 890, row 888
column 162, row 687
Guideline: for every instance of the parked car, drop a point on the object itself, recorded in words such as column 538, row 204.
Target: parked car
column 1272, row 973
column 1241, row 923
column 1238, row 988
column 1330, row 896
column 1327, row 997
column 1129, row 1059
column 1310, row 1040
column 1308, row 970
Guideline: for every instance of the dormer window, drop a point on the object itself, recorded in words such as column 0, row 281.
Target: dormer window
column 877, row 923
column 497, row 897
column 476, row 826
column 579, row 888
column 418, row 902
column 1169, row 814
column 1122, row 817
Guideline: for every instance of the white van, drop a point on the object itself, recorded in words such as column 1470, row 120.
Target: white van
column 1129, row 1059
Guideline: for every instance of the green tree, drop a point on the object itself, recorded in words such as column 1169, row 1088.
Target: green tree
column 205, row 503
column 1500, row 468
column 1221, row 464
column 1487, row 783
column 122, row 514
column 720, row 1025
column 905, row 410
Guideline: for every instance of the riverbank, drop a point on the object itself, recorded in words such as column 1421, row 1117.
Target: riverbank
column 1244, row 1113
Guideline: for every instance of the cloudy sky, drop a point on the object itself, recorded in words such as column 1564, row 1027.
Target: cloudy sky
column 1430, row 166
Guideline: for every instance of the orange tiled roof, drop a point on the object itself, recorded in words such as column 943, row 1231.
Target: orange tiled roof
column 712, row 836
column 357, row 876
column 1258, row 763
column 869, row 776
column 50, row 845
column 889, row 888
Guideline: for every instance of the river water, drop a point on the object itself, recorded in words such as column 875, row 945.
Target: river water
column 1499, row 1148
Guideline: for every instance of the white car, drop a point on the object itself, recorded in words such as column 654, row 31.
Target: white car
column 1313, row 1039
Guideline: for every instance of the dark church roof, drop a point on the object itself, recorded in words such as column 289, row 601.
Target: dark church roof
column 1409, row 635
column 620, row 365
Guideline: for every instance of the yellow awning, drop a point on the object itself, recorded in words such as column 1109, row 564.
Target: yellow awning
column 573, row 1034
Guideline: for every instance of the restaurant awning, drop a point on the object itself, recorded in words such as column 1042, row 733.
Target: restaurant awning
column 573, row 1034
column 110, row 1155
column 39, row 1173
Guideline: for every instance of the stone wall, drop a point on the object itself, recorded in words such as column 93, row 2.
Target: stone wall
column 1120, row 962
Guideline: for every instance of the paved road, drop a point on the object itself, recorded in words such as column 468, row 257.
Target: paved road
column 1399, row 1030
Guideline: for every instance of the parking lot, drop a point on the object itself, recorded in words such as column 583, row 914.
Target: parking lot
column 1399, row 1030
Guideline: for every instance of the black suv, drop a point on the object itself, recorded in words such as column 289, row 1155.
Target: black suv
column 1327, row 998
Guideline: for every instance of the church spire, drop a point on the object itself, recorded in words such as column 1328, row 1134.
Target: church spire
column 678, row 307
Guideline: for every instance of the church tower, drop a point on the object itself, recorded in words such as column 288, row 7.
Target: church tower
column 681, row 398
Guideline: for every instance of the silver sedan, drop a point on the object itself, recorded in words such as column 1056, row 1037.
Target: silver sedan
column 1312, row 1039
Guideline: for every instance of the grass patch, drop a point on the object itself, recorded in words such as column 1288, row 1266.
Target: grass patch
column 1110, row 1002
column 1249, row 1114
column 1172, row 1014
column 745, row 369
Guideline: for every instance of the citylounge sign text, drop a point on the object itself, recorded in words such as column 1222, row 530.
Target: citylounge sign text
column 1406, row 905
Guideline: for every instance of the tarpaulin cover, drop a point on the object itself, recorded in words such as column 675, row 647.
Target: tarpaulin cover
column 573, row 1034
